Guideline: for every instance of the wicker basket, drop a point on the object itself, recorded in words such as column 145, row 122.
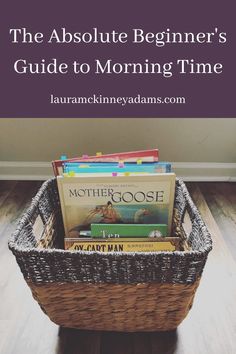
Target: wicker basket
column 109, row 291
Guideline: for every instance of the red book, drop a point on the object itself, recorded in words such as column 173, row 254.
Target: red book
column 132, row 156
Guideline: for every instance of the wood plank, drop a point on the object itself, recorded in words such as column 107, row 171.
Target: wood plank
column 5, row 190
column 21, row 318
column 15, row 204
column 221, row 199
column 211, row 324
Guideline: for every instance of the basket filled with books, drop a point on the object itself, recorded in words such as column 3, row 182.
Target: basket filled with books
column 103, row 247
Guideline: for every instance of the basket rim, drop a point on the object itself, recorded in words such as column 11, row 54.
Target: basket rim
column 15, row 247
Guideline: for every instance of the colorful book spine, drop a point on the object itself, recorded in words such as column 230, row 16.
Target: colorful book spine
column 132, row 156
column 78, row 168
column 128, row 230
column 162, row 244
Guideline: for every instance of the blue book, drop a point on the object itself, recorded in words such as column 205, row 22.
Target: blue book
column 80, row 168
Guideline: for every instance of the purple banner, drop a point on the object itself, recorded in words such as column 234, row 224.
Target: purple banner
column 132, row 59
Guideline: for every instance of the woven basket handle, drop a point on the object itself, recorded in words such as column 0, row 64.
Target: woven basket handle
column 25, row 236
column 197, row 231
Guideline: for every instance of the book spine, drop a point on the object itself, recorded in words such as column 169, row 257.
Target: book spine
column 158, row 167
column 57, row 170
column 133, row 155
column 128, row 230
column 122, row 246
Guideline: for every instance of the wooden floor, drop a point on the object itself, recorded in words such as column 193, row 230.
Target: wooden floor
column 210, row 327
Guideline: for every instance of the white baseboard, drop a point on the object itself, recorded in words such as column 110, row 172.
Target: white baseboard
column 205, row 171
column 188, row 171
column 25, row 170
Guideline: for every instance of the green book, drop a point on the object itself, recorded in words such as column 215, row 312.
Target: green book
column 128, row 230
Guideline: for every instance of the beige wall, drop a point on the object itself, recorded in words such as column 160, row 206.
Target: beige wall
column 179, row 140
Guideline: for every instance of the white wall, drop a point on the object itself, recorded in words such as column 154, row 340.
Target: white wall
column 179, row 140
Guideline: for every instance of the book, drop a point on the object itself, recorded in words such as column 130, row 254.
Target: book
column 128, row 230
column 108, row 168
column 132, row 156
column 139, row 199
column 102, row 245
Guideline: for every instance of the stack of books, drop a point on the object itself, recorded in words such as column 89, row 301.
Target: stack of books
column 117, row 202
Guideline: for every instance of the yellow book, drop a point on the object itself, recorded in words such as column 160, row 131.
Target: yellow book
column 124, row 245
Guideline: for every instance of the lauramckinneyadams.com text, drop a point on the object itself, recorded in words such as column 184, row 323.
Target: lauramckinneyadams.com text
column 120, row 100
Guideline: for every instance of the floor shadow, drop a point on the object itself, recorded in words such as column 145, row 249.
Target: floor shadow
column 73, row 341
column 164, row 342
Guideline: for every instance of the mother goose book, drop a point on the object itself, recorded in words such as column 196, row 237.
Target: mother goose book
column 139, row 199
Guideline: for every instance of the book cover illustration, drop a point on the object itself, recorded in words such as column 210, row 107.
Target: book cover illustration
column 134, row 199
